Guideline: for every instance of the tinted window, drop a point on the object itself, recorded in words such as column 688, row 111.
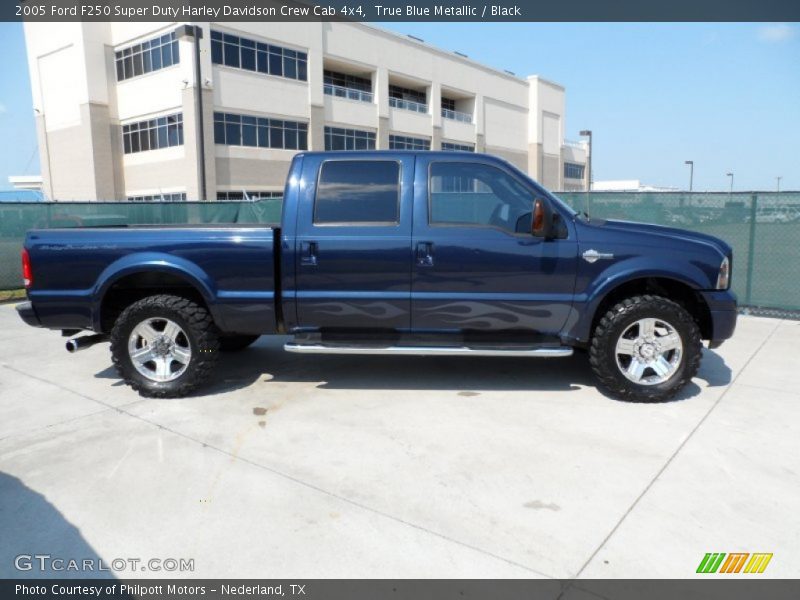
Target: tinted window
column 338, row 138
column 573, row 171
column 242, row 130
column 148, row 56
column 248, row 58
column 358, row 191
column 478, row 195
column 243, row 53
column 403, row 142
column 153, row 134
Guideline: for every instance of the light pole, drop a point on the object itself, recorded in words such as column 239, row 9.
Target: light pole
column 588, row 133
column 778, row 180
column 730, row 190
column 691, row 172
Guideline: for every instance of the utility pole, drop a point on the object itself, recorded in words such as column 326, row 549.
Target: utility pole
column 588, row 133
column 691, row 172
column 778, row 180
column 195, row 33
column 730, row 190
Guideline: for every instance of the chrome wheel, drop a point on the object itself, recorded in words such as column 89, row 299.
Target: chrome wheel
column 159, row 349
column 649, row 351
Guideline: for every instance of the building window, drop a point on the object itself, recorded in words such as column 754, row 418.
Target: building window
column 171, row 197
column 153, row 134
column 347, row 86
column 473, row 195
column 145, row 57
column 337, row 138
column 395, row 91
column 358, row 192
column 449, row 112
column 573, row 171
column 407, row 99
column 242, row 53
column 402, row 142
column 348, row 81
column 243, row 130
column 248, row 195
column 453, row 147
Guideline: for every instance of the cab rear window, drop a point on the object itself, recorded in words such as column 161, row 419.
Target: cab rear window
column 358, row 192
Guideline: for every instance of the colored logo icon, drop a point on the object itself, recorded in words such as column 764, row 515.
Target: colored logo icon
column 734, row 562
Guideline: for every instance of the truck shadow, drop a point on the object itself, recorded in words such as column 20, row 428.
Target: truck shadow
column 268, row 361
column 32, row 526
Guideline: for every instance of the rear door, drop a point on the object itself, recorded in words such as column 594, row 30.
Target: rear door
column 353, row 243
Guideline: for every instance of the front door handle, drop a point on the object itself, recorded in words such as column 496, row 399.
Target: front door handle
column 308, row 253
column 425, row 254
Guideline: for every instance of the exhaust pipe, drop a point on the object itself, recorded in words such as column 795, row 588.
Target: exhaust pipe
column 81, row 343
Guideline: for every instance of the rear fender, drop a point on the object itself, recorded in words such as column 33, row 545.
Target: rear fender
column 150, row 262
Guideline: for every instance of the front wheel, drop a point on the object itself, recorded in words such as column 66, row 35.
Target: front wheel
column 646, row 349
column 164, row 346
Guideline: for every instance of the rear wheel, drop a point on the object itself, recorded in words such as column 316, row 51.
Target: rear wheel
column 646, row 349
column 234, row 343
column 164, row 346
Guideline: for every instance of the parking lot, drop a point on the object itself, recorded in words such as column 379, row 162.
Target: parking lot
column 345, row 466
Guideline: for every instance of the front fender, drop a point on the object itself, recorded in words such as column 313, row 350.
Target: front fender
column 596, row 281
column 641, row 267
column 149, row 262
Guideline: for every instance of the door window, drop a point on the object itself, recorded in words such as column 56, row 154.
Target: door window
column 470, row 194
column 358, row 192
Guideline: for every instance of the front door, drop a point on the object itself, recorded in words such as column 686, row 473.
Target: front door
column 353, row 243
column 477, row 267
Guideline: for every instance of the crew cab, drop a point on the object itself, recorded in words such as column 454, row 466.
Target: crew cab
column 384, row 252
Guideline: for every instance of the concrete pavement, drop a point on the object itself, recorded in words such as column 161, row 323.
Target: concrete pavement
column 328, row 466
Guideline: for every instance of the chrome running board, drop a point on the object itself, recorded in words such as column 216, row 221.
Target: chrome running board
column 540, row 352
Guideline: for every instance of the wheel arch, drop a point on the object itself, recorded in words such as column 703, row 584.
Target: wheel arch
column 674, row 289
column 140, row 275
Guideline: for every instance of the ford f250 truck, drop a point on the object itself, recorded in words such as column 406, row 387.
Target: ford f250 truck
column 423, row 253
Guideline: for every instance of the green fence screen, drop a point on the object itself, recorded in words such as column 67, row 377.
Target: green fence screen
column 18, row 217
column 763, row 228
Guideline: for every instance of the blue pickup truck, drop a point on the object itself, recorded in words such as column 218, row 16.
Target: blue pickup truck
column 423, row 253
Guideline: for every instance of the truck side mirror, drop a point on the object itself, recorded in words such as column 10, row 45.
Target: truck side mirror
column 542, row 222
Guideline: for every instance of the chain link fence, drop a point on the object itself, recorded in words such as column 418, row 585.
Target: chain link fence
column 763, row 228
column 18, row 217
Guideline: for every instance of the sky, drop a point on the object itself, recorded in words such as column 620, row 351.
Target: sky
column 725, row 95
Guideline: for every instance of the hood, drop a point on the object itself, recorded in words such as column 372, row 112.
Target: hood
column 649, row 234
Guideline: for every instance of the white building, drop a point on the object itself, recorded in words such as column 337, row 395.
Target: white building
column 31, row 183
column 628, row 185
column 116, row 106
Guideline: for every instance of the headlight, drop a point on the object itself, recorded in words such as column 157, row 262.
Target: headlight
column 724, row 277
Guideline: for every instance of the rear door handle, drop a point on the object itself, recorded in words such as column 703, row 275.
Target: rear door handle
column 425, row 254
column 308, row 253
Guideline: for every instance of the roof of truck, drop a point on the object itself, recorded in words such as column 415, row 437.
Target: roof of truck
column 393, row 152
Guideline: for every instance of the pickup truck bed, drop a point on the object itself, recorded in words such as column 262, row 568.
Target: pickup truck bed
column 232, row 268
